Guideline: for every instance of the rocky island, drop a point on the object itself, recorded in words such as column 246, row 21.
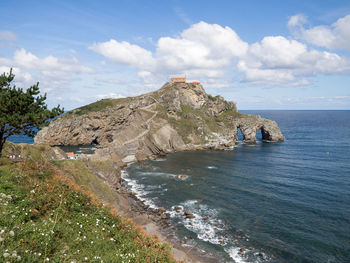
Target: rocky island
column 178, row 116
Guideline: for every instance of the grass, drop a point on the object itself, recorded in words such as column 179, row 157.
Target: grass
column 97, row 106
column 85, row 178
column 46, row 217
column 186, row 126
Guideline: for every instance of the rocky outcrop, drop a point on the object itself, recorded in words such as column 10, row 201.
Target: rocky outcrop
column 178, row 116
column 269, row 129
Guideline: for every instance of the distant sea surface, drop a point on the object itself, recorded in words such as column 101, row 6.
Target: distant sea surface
column 263, row 202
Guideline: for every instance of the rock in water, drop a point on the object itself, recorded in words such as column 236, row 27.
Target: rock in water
column 189, row 215
column 182, row 176
column 179, row 116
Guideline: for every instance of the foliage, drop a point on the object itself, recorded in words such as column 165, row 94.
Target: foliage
column 83, row 176
column 22, row 112
column 46, row 218
column 97, row 106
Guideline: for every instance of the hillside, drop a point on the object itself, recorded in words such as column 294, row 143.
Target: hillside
column 179, row 116
column 47, row 217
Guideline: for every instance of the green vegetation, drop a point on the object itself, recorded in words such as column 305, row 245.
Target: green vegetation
column 190, row 119
column 230, row 114
column 97, row 106
column 46, row 217
column 21, row 112
column 86, row 179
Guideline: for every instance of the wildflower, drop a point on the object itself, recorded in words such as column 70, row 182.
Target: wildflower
column 6, row 254
column 12, row 233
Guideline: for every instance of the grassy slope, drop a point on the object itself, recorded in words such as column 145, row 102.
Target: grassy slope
column 187, row 123
column 100, row 105
column 44, row 216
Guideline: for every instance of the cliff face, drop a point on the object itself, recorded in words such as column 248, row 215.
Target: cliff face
column 179, row 116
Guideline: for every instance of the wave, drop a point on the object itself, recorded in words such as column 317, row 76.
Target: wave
column 206, row 224
column 234, row 253
column 138, row 189
column 158, row 174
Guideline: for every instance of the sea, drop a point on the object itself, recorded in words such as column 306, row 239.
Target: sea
column 263, row 201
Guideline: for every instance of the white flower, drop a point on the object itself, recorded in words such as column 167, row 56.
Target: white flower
column 6, row 255
column 12, row 233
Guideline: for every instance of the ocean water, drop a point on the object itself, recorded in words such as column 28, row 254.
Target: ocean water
column 262, row 202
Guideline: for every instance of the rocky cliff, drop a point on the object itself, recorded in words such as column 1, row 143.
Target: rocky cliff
column 179, row 116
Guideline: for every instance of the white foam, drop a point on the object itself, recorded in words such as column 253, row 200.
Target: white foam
column 235, row 255
column 158, row 174
column 138, row 189
column 207, row 230
column 211, row 230
column 212, row 167
column 160, row 160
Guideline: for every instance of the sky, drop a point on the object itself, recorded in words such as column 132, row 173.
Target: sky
column 268, row 54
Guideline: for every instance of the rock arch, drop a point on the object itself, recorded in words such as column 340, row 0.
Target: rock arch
column 269, row 129
column 95, row 141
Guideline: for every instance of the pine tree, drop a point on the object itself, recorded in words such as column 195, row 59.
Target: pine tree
column 22, row 112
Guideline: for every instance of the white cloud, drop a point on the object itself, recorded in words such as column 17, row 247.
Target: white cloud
column 52, row 72
column 203, row 49
column 7, row 36
column 279, row 61
column 49, row 64
column 125, row 53
column 297, row 20
column 21, row 77
column 335, row 36
column 108, row 95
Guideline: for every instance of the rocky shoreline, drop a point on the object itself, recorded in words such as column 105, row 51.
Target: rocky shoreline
column 156, row 221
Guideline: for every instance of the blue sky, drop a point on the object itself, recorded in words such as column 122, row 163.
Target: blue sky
column 261, row 54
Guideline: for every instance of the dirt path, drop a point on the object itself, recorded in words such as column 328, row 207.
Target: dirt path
column 146, row 108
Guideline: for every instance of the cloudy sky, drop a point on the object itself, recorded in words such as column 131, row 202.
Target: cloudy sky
column 262, row 54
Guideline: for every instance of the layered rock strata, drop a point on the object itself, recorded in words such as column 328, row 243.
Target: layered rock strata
column 179, row 116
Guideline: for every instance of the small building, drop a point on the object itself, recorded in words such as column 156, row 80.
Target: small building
column 178, row 79
column 195, row 82
column 70, row 156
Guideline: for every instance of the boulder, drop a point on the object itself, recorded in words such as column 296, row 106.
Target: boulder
column 188, row 215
